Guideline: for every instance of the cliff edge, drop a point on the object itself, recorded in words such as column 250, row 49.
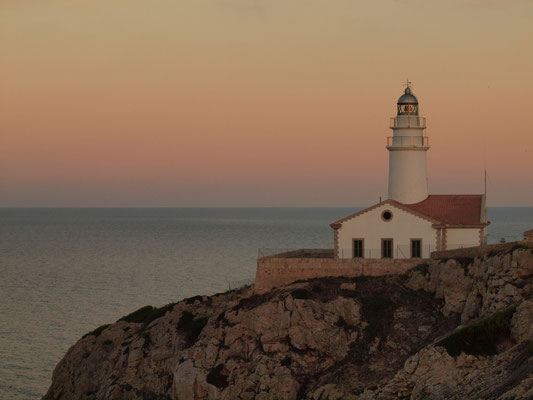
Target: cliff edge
column 455, row 328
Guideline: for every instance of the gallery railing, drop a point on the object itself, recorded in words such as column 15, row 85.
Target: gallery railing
column 407, row 141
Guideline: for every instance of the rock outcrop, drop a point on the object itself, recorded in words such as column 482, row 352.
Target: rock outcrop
column 337, row 338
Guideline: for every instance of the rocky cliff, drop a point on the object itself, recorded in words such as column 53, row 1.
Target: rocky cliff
column 453, row 328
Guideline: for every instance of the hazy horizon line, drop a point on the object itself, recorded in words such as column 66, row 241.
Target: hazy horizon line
column 199, row 207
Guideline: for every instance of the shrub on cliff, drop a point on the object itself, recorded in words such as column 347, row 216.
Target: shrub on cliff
column 192, row 327
column 374, row 312
column 143, row 315
column 301, row 294
column 528, row 348
column 96, row 332
column 422, row 268
column 216, row 378
column 147, row 314
column 481, row 337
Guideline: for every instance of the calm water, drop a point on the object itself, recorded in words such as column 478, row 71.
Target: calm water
column 64, row 272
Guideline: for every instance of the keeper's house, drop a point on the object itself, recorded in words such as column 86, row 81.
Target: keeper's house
column 392, row 229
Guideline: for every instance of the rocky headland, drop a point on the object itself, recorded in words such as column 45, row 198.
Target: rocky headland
column 459, row 327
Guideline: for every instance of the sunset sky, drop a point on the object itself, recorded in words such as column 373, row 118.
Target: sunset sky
column 258, row 102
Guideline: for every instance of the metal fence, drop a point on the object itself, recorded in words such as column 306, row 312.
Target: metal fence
column 453, row 246
column 267, row 252
column 400, row 251
column 296, row 253
column 240, row 284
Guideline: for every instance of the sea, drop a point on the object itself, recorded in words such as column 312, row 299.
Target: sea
column 64, row 272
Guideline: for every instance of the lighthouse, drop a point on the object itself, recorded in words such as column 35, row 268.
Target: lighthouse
column 408, row 179
column 411, row 223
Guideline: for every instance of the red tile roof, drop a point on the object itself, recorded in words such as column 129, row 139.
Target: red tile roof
column 441, row 209
column 452, row 209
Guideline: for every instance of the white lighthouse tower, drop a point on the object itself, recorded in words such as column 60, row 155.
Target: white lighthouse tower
column 408, row 178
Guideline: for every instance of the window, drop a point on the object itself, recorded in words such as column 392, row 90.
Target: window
column 416, row 248
column 386, row 215
column 386, row 248
column 406, row 109
column 358, row 249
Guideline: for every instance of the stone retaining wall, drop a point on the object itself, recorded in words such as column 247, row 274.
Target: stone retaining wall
column 278, row 271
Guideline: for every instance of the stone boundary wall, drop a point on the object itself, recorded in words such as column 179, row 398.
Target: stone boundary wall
column 473, row 252
column 276, row 271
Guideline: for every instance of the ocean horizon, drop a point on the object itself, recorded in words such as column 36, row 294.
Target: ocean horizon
column 66, row 271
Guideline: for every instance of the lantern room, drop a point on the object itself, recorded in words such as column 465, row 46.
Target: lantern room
column 407, row 103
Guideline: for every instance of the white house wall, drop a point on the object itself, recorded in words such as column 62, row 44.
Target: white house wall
column 464, row 237
column 372, row 228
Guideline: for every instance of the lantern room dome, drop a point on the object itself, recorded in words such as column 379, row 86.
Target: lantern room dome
column 407, row 103
column 407, row 97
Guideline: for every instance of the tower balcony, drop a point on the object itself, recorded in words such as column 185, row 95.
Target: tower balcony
column 408, row 121
column 407, row 142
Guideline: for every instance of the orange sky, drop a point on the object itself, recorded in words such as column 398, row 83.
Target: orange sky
column 258, row 103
